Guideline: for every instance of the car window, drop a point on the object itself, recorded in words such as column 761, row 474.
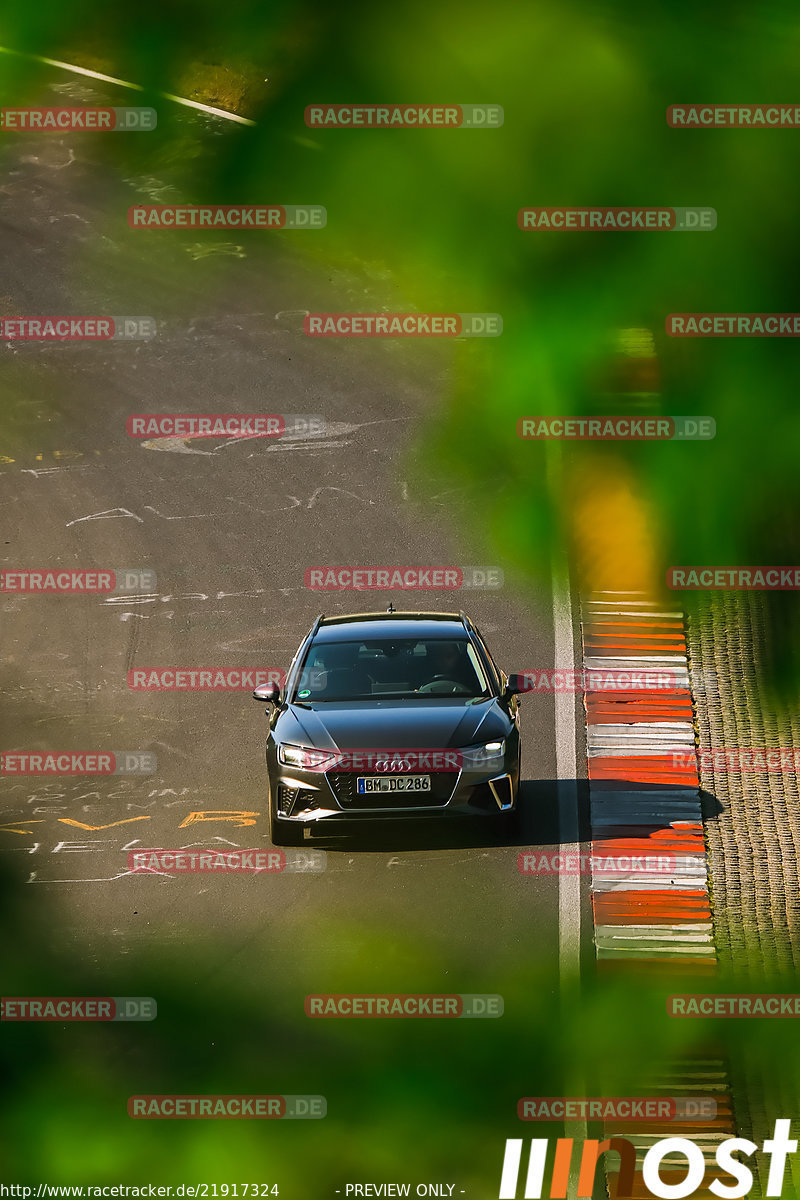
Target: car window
column 401, row 668
column 484, row 649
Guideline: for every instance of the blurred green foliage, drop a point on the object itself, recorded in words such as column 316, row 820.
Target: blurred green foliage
column 584, row 87
column 428, row 1100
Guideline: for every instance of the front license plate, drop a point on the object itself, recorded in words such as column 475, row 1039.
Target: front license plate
column 393, row 783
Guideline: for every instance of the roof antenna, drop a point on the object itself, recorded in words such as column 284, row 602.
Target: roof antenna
column 391, row 607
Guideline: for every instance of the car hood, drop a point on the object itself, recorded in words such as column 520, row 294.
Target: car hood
column 439, row 724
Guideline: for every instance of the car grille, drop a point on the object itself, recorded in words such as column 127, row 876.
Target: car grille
column 343, row 785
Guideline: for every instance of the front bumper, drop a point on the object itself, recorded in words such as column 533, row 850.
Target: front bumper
column 313, row 797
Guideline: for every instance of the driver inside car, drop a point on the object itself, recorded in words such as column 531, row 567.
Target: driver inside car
column 447, row 661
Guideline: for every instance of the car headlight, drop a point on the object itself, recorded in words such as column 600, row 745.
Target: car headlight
column 306, row 758
column 486, row 754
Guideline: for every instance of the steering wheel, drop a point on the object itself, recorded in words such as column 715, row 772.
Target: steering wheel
column 440, row 684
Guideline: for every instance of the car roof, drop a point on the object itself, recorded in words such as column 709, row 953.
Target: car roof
column 383, row 626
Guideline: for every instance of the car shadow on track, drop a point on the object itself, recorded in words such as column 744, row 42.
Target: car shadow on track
column 651, row 819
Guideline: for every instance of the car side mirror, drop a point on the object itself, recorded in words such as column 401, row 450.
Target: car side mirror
column 515, row 685
column 269, row 693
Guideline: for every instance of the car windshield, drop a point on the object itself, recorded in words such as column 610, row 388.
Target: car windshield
column 405, row 668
